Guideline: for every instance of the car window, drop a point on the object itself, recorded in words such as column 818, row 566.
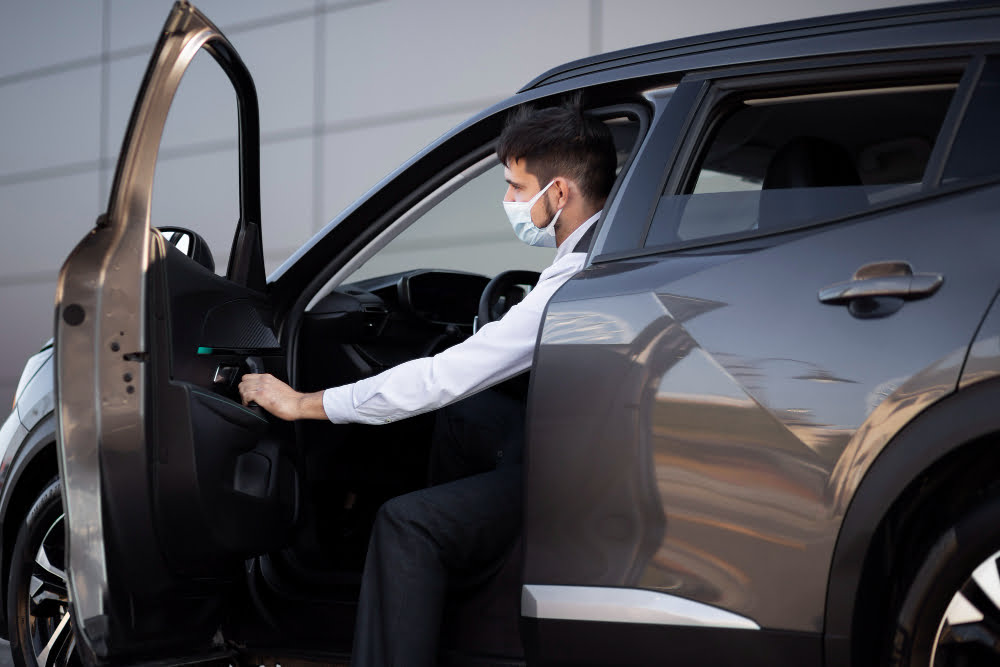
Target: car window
column 780, row 160
column 976, row 151
column 465, row 231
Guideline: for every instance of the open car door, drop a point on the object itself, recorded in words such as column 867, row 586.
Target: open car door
column 169, row 483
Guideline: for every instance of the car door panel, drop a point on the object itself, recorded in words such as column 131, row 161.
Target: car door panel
column 225, row 484
column 169, row 482
column 747, row 409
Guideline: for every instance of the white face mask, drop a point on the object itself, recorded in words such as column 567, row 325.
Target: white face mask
column 519, row 214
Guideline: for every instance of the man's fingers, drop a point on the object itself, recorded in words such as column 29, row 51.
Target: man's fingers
column 244, row 393
column 249, row 384
column 263, row 389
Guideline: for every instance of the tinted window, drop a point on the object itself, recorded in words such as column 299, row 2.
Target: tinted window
column 776, row 161
column 976, row 151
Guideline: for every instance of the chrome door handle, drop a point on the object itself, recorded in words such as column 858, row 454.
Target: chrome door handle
column 883, row 279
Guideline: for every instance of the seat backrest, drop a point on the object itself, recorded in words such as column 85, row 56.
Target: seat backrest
column 808, row 178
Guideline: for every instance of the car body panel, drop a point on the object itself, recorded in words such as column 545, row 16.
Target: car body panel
column 713, row 440
column 12, row 437
column 31, row 368
column 24, row 435
column 942, row 446
column 11, row 434
column 984, row 355
column 35, row 399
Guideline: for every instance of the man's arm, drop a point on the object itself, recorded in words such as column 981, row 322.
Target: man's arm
column 498, row 351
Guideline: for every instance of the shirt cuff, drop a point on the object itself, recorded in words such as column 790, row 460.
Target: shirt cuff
column 338, row 404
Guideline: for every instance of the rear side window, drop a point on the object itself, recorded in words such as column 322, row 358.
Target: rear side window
column 774, row 161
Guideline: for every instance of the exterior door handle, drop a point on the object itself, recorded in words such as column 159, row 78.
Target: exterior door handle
column 880, row 288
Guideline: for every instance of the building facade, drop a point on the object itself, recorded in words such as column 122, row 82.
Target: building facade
column 349, row 89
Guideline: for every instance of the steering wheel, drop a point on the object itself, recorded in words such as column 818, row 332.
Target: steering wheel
column 501, row 293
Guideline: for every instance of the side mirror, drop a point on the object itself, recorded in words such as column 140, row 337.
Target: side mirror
column 191, row 244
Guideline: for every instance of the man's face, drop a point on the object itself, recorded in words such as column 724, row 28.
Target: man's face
column 522, row 186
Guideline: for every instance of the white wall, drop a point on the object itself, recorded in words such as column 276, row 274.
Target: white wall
column 348, row 90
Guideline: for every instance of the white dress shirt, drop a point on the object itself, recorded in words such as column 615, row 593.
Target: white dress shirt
column 498, row 351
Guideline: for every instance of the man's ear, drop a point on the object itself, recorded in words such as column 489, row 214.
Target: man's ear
column 562, row 186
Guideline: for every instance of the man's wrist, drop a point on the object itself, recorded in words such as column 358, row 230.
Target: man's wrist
column 310, row 406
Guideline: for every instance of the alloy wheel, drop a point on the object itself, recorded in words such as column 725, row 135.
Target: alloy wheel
column 969, row 631
column 50, row 626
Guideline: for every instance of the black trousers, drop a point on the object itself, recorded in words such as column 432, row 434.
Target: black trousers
column 426, row 542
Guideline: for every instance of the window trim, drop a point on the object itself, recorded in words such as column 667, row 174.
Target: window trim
column 755, row 240
column 912, row 61
column 727, row 90
column 642, row 115
column 934, row 170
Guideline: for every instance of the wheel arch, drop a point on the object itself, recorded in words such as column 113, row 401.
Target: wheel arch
column 31, row 469
column 942, row 461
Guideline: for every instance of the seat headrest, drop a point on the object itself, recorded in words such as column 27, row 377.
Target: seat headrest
column 810, row 162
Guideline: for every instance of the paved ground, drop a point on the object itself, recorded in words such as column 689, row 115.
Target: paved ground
column 5, row 659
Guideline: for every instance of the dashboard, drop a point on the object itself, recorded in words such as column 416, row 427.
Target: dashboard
column 368, row 326
column 429, row 295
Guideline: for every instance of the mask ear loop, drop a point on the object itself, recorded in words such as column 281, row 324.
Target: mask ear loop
column 550, row 228
column 534, row 200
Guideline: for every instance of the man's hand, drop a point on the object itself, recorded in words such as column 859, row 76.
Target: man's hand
column 279, row 399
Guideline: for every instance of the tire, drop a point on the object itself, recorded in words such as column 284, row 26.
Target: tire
column 38, row 615
column 950, row 614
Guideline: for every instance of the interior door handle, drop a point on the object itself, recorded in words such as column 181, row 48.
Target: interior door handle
column 883, row 279
column 255, row 364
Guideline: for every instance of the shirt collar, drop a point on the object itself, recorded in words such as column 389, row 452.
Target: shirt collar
column 569, row 244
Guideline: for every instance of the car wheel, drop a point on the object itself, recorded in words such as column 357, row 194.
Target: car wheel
column 41, row 630
column 950, row 615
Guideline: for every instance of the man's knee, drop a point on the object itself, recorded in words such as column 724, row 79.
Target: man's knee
column 401, row 514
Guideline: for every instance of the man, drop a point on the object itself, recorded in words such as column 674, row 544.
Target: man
column 559, row 168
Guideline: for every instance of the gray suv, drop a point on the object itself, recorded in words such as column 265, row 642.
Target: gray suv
column 762, row 421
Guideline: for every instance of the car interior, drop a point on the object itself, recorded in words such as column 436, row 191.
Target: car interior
column 294, row 503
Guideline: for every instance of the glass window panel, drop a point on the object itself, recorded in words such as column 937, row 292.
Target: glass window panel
column 783, row 161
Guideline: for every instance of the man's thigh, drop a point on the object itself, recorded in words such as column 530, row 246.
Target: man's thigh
column 476, row 435
column 471, row 521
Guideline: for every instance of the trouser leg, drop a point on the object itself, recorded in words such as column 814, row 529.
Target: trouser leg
column 476, row 435
column 418, row 539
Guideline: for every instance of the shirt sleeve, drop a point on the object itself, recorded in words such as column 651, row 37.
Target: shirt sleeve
column 496, row 352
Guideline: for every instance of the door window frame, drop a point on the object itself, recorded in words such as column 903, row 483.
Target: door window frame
column 704, row 91
column 724, row 89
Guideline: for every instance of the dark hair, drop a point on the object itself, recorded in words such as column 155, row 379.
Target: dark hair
column 561, row 141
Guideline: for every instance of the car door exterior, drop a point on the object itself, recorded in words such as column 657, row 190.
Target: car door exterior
column 715, row 395
column 115, row 372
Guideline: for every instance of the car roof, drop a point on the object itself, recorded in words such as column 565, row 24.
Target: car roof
column 787, row 35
